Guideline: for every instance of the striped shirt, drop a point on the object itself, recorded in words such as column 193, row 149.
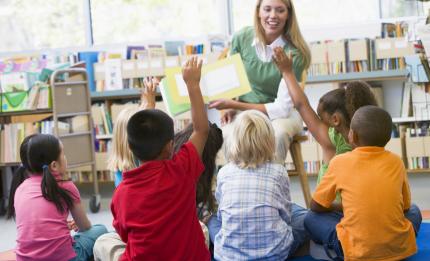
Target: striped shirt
column 255, row 212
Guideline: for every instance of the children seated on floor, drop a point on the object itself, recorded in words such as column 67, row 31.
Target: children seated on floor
column 378, row 220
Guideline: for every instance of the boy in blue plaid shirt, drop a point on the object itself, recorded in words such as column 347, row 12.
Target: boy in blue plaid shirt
column 256, row 218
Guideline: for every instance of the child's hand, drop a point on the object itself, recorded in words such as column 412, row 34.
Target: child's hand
column 147, row 96
column 228, row 117
column 192, row 71
column 72, row 225
column 282, row 61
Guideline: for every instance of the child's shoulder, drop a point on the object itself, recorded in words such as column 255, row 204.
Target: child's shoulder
column 269, row 168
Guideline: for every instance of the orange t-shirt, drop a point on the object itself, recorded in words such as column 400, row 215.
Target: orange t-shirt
column 375, row 192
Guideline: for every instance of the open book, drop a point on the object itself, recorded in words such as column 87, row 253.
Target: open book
column 223, row 79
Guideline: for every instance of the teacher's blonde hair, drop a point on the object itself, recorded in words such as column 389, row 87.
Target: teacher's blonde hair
column 291, row 31
column 252, row 142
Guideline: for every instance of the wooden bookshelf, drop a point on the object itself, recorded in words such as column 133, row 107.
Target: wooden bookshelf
column 418, row 171
column 26, row 112
column 104, row 137
column 409, row 119
column 118, row 94
column 9, row 164
column 355, row 76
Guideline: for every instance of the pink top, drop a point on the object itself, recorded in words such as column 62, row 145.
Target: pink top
column 42, row 230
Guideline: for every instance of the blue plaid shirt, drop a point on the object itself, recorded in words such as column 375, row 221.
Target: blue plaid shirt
column 255, row 212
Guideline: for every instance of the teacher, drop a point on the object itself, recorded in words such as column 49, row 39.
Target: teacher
column 275, row 25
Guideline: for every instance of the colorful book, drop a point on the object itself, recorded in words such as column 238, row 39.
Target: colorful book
column 223, row 79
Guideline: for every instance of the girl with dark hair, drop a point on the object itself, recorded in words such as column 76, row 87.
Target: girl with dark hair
column 40, row 201
column 204, row 196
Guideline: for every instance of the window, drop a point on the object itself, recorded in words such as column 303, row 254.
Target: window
column 402, row 8
column 116, row 21
column 314, row 13
column 39, row 24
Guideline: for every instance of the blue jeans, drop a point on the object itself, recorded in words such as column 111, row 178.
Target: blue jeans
column 297, row 224
column 84, row 242
column 322, row 228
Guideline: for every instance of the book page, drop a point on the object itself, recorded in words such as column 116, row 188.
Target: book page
column 182, row 87
column 220, row 80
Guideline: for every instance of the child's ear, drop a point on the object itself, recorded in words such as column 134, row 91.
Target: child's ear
column 336, row 119
column 54, row 166
column 353, row 138
column 167, row 151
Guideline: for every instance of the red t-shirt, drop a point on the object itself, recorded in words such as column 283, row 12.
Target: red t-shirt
column 154, row 209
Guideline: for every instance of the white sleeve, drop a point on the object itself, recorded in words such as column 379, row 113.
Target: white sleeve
column 282, row 106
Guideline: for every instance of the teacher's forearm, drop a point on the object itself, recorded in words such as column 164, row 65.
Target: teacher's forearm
column 243, row 106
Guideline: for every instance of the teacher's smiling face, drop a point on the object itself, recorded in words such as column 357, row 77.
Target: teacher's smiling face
column 273, row 16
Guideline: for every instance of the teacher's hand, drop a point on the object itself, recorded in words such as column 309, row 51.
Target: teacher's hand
column 228, row 116
column 283, row 61
column 221, row 104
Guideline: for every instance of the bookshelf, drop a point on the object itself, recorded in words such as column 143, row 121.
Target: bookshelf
column 355, row 76
column 70, row 100
column 24, row 113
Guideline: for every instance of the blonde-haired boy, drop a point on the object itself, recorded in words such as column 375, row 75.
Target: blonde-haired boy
column 254, row 218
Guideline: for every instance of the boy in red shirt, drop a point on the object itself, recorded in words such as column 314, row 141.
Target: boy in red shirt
column 154, row 208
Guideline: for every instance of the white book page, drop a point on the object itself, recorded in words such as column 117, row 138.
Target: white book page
column 182, row 87
column 220, row 80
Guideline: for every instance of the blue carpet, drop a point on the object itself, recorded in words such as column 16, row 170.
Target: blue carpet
column 423, row 246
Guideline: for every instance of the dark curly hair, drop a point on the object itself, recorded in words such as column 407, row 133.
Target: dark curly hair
column 213, row 145
column 347, row 100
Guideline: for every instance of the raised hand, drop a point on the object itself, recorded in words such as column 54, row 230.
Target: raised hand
column 283, row 61
column 192, row 71
column 147, row 96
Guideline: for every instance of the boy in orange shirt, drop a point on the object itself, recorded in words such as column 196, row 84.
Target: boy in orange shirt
column 378, row 220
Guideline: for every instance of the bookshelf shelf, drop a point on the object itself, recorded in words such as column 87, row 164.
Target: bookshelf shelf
column 365, row 76
column 9, row 164
column 409, row 119
column 27, row 112
column 418, row 171
column 104, row 137
column 118, row 94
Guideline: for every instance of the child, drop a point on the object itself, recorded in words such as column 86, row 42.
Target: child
column 121, row 158
column 154, row 207
column 373, row 225
column 204, row 198
column 254, row 219
column 110, row 247
column 40, row 200
column 330, row 127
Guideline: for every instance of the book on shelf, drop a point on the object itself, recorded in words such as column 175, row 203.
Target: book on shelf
column 101, row 119
column 420, row 101
column 418, row 67
column 418, row 145
column 358, row 55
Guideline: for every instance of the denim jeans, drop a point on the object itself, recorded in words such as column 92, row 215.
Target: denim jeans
column 84, row 242
column 297, row 224
column 322, row 228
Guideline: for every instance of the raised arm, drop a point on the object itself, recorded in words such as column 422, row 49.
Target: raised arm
column 147, row 96
column 316, row 126
column 191, row 72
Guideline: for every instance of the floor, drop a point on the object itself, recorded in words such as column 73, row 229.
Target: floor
column 419, row 183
